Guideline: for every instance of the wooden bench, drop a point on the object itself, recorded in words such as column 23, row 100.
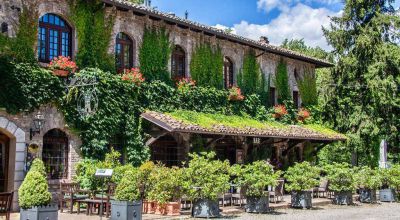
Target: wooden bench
column 5, row 204
column 71, row 193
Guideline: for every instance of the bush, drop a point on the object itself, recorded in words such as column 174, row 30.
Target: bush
column 368, row 178
column 341, row 177
column 127, row 189
column 166, row 184
column 85, row 170
column 38, row 165
column 253, row 178
column 205, row 177
column 119, row 172
column 34, row 190
column 390, row 177
column 301, row 177
column 143, row 176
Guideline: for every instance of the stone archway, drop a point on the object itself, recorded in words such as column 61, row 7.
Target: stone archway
column 16, row 142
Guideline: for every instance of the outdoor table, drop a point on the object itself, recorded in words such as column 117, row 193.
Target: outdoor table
column 90, row 203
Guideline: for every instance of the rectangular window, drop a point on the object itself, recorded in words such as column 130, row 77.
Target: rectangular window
column 272, row 96
column 296, row 99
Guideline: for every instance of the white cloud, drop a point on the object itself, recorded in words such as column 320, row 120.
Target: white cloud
column 285, row 5
column 224, row 28
column 299, row 21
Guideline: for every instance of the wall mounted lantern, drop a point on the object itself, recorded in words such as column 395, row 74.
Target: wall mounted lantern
column 38, row 124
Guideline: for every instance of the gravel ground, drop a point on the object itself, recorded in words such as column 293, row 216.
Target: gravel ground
column 384, row 211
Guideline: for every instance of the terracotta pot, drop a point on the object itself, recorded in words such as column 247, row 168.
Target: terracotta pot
column 170, row 209
column 149, row 207
column 62, row 73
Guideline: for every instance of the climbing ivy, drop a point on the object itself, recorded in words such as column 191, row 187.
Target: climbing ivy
column 154, row 54
column 308, row 89
column 206, row 66
column 282, row 82
column 94, row 27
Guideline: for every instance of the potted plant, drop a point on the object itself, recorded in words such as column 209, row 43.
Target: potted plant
column 301, row 178
column 253, row 179
column 205, row 179
column 368, row 181
column 133, row 75
column 303, row 115
column 342, row 182
column 235, row 94
column 34, row 196
column 62, row 66
column 127, row 204
column 184, row 85
column 166, row 190
column 279, row 111
column 390, row 181
column 144, row 184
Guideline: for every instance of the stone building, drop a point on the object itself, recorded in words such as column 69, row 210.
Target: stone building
column 56, row 143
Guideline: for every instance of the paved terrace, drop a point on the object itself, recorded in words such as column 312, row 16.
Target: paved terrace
column 322, row 210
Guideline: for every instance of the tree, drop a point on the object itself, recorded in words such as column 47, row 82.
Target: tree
column 282, row 82
column 364, row 101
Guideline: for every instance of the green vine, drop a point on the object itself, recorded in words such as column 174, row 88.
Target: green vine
column 94, row 28
column 207, row 65
column 282, row 83
column 154, row 55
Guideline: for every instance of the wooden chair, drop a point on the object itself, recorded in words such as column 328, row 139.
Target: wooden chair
column 277, row 191
column 5, row 204
column 227, row 196
column 109, row 195
column 70, row 193
column 322, row 188
column 238, row 196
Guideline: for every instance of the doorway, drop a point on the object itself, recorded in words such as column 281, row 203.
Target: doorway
column 4, row 156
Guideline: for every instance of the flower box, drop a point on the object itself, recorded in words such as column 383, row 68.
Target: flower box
column 149, row 207
column 169, row 209
column 61, row 73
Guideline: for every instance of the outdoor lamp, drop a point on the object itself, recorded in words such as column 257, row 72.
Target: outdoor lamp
column 38, row 124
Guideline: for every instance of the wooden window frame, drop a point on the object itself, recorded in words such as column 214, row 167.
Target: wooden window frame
column 178, row 58
column 228, row 76
column 120, row 56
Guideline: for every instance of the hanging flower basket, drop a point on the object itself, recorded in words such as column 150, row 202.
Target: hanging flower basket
column 235, row 94
column 62, row 66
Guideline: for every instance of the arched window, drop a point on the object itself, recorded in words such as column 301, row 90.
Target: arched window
column 178, row 63
column 4, row 27
column 54, row 38
column 123, row 52
column 228, row 73
column 55, row 154
column 296, row 75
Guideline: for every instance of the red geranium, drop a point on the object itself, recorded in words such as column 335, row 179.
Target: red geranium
column 303, row 114
column 185, row 84
column 63, row 63
column 235, row 94
column 133, row 75
column 280, row 111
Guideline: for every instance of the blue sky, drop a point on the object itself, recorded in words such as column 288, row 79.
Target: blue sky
column 276, row 19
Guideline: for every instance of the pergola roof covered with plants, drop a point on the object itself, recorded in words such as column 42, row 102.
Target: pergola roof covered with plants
column 141, row 10
column 217, row 124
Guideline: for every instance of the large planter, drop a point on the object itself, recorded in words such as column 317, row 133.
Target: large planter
column 149, row 207
column 170, row 209
column 205, row 208
column 257, row 204
column 124, row 210
column 368, row 196
column 387, row 195
column 39, row 213
column 301, row 199
column 343, row 198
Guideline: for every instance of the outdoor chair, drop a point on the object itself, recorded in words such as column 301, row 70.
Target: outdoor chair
column 322, row 188
column 107, row 196
column 5, row 204
column 227, row 196
column 238, row 196
column 70, row 193
column 277, row 192
column 186, row 203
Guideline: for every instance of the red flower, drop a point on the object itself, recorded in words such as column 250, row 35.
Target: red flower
column 63, row 63
column 235, row 94
column 133, row 75
column 279, row 111
column 185, row 84
column 303, row 114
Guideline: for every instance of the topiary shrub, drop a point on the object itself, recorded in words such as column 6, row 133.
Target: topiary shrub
column 368, row 178
column 34, row 191
column 341, row 177
column 302, row 177
column 390, row 177
column 38, row 165
column 119, row 172
column 127, row 189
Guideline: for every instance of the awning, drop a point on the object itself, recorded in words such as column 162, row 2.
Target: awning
column 215, row 124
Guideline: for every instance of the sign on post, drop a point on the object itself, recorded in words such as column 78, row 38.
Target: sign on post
column 103, row 173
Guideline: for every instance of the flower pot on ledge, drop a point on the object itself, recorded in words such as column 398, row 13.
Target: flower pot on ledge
column 149, row 207
column 40, row 212
column 61, row 73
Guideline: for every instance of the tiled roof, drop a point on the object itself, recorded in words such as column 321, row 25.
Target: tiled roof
column 173, row 124
column 214, row 31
